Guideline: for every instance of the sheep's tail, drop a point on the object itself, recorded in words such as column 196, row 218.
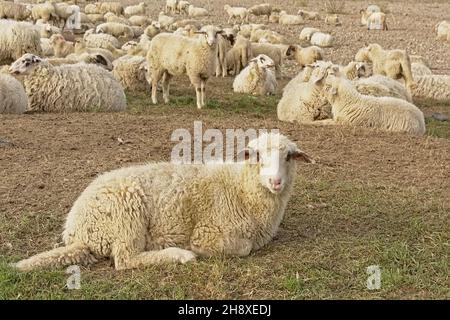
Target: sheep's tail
column 71, row 254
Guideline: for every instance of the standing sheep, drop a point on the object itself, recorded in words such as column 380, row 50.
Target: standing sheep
column 13, row 98
column 264, row 9
column 171, row 55
column 171, row 6
column 15, row 11
column 16, row 39
column 114, row 7
column 239, row 55
column 257, row 78
column 137, row 224
column 138, row 9
column 78, row 87
column 377, row 21
column 236, row 12
column 385, row 113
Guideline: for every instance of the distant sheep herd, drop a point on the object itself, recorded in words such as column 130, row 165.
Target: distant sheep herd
column 46, row 67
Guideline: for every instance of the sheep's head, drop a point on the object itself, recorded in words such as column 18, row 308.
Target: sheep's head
column 25, row 64
column 332, row 85
column 210, row 34
column 263, row 61
column 275, row 154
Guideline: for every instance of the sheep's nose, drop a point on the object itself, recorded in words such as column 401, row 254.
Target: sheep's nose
column 276, row 183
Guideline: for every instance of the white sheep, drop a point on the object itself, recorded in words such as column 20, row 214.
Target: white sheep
column 236, row 12
column 420, row 69
column 114, row 7
column 381, row 86
column 307, row 55
column 434, row 87
column 385, row 113
column 15, row 11
column 111, row 17
column 171, row 6
column 167, row 213
column 45, row 11
column 183, row 7
column 47, row 48
column 442, row 29
column 13, row 98
column 140, row 21
column 46, row 30
column 100, row 40
column 16, row 39
column 310, row 15
column 61, row 47
column 264, row 9
column 355, row 70
column 176, row 55
column 239, row 55
column 377, row 21
column 92, row 8
column 78, row 87
column 271, row 36
column 306, row 33
column 138, row 9
column 365, row 13
column 290, row 19
column 197, row 12
column 98, row 59
column 322, row 39
column 115, row 29
column 131, row 71
column 257, row 78
column 164, row 20
column 333, row 19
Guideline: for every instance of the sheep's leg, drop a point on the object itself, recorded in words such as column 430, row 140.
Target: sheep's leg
column 146, row 258
column 165, row 86
column 231, row 246
column 156, row 76
column 196, row 82
column 202, row 87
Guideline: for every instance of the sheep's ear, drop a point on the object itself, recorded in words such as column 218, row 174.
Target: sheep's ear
column 299, row 155
column 101, row 59
column 35, row 59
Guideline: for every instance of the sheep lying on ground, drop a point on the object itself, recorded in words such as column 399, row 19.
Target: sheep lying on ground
column 79, row 87
column 171, row 55
column 443, row 30
column 115, row 29
column 152, row 30
column 16, row 39
column 271, row 36
column 333, row 19
column 88, row 58
column 61, row 47
column 46, row 30
column 435, row 87
column 96, row 18
column 261, row 10
column 306, row 33
column 197, row 12
column 305, row 56
column 137, row 224
column 13, row 98
column 381, row 86
column 419, row 69
column 164, row 20
column 377, row 21
column 15, row 11
column 131, row 72
column 138, row 9
column 80, row 48
column 257, row 78
column 236, row 13
column 392, row 63
column 239, row 55
column 140, row 21
column 310, row 15
column 321, row 39
column 289, row 19
column 385, row 113
column 111, row 17
column 100, row 40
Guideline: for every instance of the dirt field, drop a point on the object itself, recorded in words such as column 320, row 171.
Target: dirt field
column 372, row 198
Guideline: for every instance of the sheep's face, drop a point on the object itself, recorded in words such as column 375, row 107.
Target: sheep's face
column 210, row 34
column 25, row 64
column 332, row 87
column 263, row 61
column 275, row 155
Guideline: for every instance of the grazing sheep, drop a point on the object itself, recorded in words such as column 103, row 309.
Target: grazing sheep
column 264, row 9
column 15, row 11
column 61, row 47
column 131, row 72
column 100, row 40
column 197, row 12
column 305, row 56
column 272, row 51
column 239, row 55
column 443, row 30
column 381, row 86
column 310, row 15
column 392, row 63
column 236, row 12
column 171, row 55
column 78, row 87
column 16, row 39
column 434, row 87
column 289, row 19
column 321, row 39
column 385, row 113
column 171, row 6
column 333, row 19
column 13, row 98
column 306, row 33
column 183, row 7
column 257, row 78
column 117, row 30
column 138, row 9
column 114, row 7
column 377, row 21
column 192, row 221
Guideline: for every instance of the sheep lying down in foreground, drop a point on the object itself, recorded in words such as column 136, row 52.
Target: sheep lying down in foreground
column 168, row 213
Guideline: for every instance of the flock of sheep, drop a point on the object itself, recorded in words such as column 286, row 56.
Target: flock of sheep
column 198, row 209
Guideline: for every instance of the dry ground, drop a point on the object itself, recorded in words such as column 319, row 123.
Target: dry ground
column 373, row 198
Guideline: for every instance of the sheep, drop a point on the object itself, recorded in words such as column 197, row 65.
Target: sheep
column 111, row 17
column 305, row 56
column 140, row 21
column 114, row 7
column 274, row 17
column 272, row 51
column 80, row 47
column 385, row 113
column 238, row 56
column 377, row 21
column 261, row 10
column 434, row 87
column 310, row 15
column 17, row 38
column 256, row 78
column 131, row 72
column 186, row 22
column 61, row 47
column 13, row 98
column 137, row 31
column 171, row 6
column 78, row 87
column 381, row 86
column 197, row 12
column 419, row 69
column 46, row 30
column 45, row 11
column 442, row 29
column 89, row 58
column 138, row 9
column 245, row 30
column 392, row 63
column 15, row 11
column 306, row 33
column 333, row 19
column 183, row 7
column 117, row 30
column 289, row 19
column 223, row 46
column 365, row 13
column 175, row 55
column 303, row 100
column 165, row 21
column 355, row 70
column 92, row 8
column 236, row 12
column 322, row 39
column 137, row 225
column 142, row 47
column 101, row 40
column 271, row 36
